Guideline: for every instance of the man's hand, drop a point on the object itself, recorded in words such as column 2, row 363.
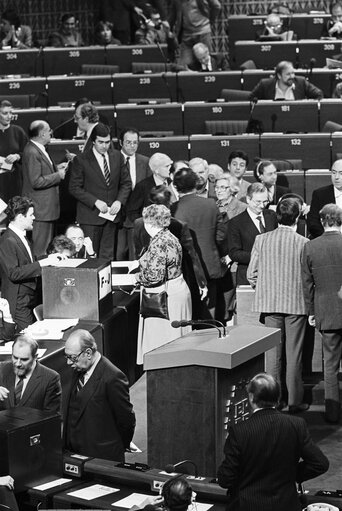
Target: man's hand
column 89, row 246
column 5, row 309
column 312, row 321
column 62, row 168
column 7, row 481
column 52, row 260
column 101, row 206
column 203, row 292
column 3, row 393
column 115, row 207
column 336, row 28
column 12, row 158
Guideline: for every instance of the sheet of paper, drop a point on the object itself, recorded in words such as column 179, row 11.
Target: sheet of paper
column 41, row 352
column 3, row 205
column 70, row 263
column 107, row 216
column 52, row 484
column 4, row 166
column 135, row 499
column 93, row 492
column 6, row 349
column 199, row 506
column 51, row 328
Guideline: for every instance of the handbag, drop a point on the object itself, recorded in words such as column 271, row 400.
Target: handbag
column 154, row 305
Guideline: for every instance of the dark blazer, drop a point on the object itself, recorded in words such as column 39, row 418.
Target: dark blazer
column 241, row 235
column 140, row 198
column 87, row 184
column 265, row 89
column 41, row 183
column 143, row 171
column 7, row 331
column 18, row 273
column 264, row 458
column 322, row 279
column 320, row 198
column 207, row 228
column 43, row 390
column 105, row 419
column 279, row 192
column 218, row 63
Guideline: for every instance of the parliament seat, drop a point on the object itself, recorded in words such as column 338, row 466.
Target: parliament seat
column 99, row 69
column 235, row 127
column 20, row 100
column 150, row 67
column 235, row 95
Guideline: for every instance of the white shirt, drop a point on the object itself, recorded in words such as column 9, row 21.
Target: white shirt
column 288, row 94
column 90, row 371
column 22, row 236
column 99, row 158
column 42, row 148
column 338, row 197
column 255, row 220
column 26, row 378
column 132, row 168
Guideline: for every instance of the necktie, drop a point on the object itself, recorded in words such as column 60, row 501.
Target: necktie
column 261, row 225
column 127, row 164
column 18, row 390
column 106, row 170
column 80, row 382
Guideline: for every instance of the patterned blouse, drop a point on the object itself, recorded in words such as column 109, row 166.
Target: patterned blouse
column 163, row 253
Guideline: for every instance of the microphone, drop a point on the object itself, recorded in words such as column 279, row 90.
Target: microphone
column 173, row 468
column 253, row 125
column 312, row 64
column 208, row 322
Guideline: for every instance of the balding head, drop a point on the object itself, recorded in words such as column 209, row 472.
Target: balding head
column 160, row 165
column 40, row 131
column 200, row 167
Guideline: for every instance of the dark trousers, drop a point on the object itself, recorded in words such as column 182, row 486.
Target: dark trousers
column 104, row 238
column 7, row 498
column 42, row 234
column 125, row 246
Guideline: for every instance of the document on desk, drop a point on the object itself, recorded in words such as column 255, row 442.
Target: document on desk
column 6, row 349
column 70, row 263
column 51, row 328
column 52, row 484
column 135, row 499
column 93, row 492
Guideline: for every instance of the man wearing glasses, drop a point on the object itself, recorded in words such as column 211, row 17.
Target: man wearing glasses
column 99, row 420
column 331, row 194
column 243, row 229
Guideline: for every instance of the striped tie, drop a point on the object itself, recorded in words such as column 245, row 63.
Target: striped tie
column 261, row 225
column 80, row 382
column 18, row 390
column 106, row 170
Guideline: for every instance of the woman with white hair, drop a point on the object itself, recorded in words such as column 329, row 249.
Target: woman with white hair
column 161, row 270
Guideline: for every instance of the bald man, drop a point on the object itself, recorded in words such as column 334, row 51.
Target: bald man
column 41, row 179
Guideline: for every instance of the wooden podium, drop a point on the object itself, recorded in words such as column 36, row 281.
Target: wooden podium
column 196, row 388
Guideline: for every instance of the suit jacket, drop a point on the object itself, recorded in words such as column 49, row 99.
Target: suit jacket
column 279, row 192
column 275, row 271
column 43, row 390
column 207, row 228
column 105, row 419
column 241, row 236
column 41, row 183
column 87, row 184
column 320, row 198
column 18, row 272
column 7, row 331
column 262, row 462
column 322, row 280
column 218, row 63
column 265, row 89
column 143, row 171
column 140, row 198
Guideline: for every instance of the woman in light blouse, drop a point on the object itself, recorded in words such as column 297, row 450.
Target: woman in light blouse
column 161, row 268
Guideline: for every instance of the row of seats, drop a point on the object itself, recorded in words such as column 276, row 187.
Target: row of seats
column 309, row 151
column 59, row 61
column 190, row 118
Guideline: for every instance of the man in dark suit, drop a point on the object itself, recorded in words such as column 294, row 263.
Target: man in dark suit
column 19, row 268
column 101, row 184
column 206, row 226
column 285, row 85
column 86, row 117
column 266, row 172
column 205, row 185
column 331, row 194
column 41, row 179
column 25, row 382
column 322, row 281
column 243, row 229
column 268, row 454
column 204, row 61
column 99, row 420
column 138, row 168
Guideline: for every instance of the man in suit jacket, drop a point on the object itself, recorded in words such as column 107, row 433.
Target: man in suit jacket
column 101, row 184
column 205, row 185
column 285, row 85
column 41, row 179
column 206, row 226
column 138, row 168
column 204, row 61
column 25, row 382
column 266, row 172
column 322, row 281
column 274, row 272
column 86, row 117
column 331, row 194
column 268, row 454
column 19, row 268
column 99, row 420
column 243, row 229
column 160, row 165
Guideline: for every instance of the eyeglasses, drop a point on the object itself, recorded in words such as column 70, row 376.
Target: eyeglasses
column 77, row 117
column 131, row 142
column 260, row 202
column 74, row 358
column 221, row 187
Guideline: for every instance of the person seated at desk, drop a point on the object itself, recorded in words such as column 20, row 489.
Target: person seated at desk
column 332, row 28
column 176, row 495
column 84, row 245
column 7, row 329
column 7, row 497
column 67, row 34
column 104, row 34
column 13, row 34
column 204, row 61
column 285, row 85
column 274, row 30
column 61, row 245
